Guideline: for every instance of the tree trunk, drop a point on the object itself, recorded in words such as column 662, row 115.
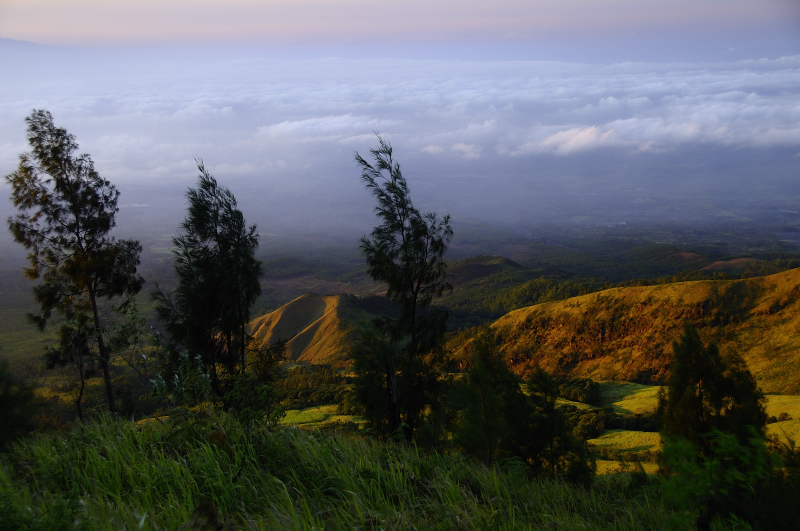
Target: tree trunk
column 394, row 403
column 105, row 358
column 83, row 386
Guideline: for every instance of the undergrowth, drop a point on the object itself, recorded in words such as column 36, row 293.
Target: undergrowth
column 216, row 472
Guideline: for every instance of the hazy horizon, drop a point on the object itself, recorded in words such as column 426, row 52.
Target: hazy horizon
column 516, row 113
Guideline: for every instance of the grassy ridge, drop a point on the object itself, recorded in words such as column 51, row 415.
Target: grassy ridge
column 112, row 475
column 626, row 333
column 317, row 329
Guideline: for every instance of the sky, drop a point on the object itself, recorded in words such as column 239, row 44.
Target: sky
column 510, row 111
column 113, row 22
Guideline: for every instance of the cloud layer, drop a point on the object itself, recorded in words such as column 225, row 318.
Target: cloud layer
column 293, row 124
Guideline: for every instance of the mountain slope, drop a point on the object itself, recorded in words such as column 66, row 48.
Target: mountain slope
column 317, row 329
column 626, row 333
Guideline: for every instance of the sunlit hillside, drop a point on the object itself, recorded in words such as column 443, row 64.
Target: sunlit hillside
column 316, row 329
column 626, row 333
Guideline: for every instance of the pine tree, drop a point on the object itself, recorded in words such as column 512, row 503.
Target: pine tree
column 706, row 391
column 218, row 281
column 406, row 252
column 66, row 215
column 493, row 407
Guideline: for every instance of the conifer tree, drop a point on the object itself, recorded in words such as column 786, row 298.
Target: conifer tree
column 218, row 281
column 705, row 390
column 406, row 253
column 494, row 410
column 66, row 215
column 498, row 420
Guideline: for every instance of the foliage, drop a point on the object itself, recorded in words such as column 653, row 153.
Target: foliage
column 497, row 421
column 218, row 281
column 562, row 452
column 253, row 402
column 66, row 513
column 373, row 354
column 186, row 383
column 589, row 423
column 406, row 253
column 505, row 291
column 706, row 391
column 163, row 475
column 495, row 418
column 726, row 481
column 264, row 361
column 713, row 420
column 312, row 385
column 17, row 404
column 579, row 390
column 66, row 214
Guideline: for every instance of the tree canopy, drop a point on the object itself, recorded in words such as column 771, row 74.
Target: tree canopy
column 66, row 214
column 218, row 280
column 705, row 390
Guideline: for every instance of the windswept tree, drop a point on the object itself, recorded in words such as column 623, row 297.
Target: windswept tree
column 66, row 214
column 218, row 281
column 406, row 253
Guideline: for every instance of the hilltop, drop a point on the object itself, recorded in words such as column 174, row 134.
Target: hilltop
column 317, row 329
column 626, row 333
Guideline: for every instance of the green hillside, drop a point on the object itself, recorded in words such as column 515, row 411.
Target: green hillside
column 626, row 333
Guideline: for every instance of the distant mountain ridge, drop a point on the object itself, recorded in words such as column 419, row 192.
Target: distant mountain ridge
column 627, row 333
column 317, row 329
column 9, row 43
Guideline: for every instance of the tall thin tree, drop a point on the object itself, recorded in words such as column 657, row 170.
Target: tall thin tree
column 66, row 214
column 406, row 252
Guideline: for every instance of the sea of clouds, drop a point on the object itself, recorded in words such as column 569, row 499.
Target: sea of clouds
column 503, row 139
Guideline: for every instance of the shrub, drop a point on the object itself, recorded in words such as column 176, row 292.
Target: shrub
column 17, row 404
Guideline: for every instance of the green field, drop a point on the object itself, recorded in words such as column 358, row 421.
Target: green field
column 197, row 473
column 319, row 417
column 628, row 398
column 787, row 428
column 628, row 441
column 777, row 404
column 616, row 467
column 20, row 338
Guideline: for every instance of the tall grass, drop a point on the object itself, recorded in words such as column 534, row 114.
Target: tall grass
column 111, row 474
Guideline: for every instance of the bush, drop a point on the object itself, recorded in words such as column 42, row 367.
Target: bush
column 251, row 401
column 17, row 405
column 583, row 390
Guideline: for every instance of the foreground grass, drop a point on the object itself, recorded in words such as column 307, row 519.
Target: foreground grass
column 113, row 475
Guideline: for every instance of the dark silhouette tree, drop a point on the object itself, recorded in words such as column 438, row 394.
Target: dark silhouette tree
column 706, row 391
column 498, row 420
column 554, row 449
column 73, row 347
column 17, row 406
column 493, row 408
column 406, row 253
column 713, row 422
column 218, row 281
column 66, row 214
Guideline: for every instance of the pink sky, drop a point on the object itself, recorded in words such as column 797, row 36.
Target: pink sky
column 270, row 21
